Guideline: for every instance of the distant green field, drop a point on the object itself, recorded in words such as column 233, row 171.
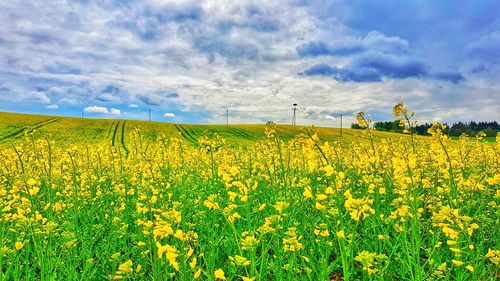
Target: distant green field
column 68, row 130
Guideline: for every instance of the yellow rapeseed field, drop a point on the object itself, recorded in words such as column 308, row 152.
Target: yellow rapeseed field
column 366, row 208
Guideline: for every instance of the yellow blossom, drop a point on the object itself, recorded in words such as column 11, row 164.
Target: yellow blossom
column 170, row 253
column 329, row 170
column 471, row 228
column 239, row 260
column 280, row 206
column 494, row 256
column 249, row 242
column 320, row 206
column 192, row 264
column 370, row 261
column 321, row 197
column 18, row 245
column 219, row 274
column 197, row 274
column 125, row 268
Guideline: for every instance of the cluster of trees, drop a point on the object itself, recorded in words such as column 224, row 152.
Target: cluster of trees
column 471, row 128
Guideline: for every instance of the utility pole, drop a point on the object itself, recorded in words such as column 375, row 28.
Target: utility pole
column 150, row 115
column 83, row 114
column 340, row 125
column 227, row 116
column 294, row 118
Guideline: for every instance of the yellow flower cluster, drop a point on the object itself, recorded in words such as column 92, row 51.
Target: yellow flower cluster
column 292, row 242
column 370, row 261
column 367, row 205
column 358, row 208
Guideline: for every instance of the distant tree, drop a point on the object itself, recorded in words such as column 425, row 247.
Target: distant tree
column 356, row 126
column 456, row 129
column 471, row 128
column 422, row 128
column 388, row 126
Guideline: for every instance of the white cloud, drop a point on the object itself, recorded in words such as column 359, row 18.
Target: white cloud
column 114, row 111
column 70, row 100
column 96, row 109
column 52, row 106
column 36, row 96
column 169, row 115
column 103, row 110
column 133, row 105
column 329, row 117
column 106, row 97
column 485, row 47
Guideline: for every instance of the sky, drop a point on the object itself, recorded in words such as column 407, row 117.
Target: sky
column 190, row 61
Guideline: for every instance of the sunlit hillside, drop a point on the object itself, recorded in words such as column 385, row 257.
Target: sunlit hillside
column 68, row 130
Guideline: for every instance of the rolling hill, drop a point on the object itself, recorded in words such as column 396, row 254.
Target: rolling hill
column 69, row 130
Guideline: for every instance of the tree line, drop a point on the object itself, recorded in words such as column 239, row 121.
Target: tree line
column 456, row 129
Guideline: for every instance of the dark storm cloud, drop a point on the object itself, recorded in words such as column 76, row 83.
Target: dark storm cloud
column 375, row 67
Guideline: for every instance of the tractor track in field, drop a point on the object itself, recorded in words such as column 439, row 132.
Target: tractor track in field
column 110, row 130
column 30, row 127
column 292, row 131
column 347, row 133
column 192, row 135
column 118, row 137
column 53, row 120
column 115, row 130
column 122, row 138
column 242, row 133
column 186, row 135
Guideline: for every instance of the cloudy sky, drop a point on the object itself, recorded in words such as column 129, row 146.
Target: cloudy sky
column 188, row 61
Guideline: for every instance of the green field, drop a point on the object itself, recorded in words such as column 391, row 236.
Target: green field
column 69, row 130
